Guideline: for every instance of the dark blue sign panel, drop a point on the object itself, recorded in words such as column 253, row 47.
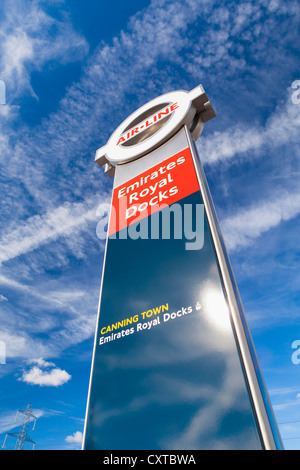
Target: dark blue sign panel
column 167, row 372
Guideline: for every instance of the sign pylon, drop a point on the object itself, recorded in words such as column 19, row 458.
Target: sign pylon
column 174, row 365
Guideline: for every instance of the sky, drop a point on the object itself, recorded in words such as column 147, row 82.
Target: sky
column 73, row 71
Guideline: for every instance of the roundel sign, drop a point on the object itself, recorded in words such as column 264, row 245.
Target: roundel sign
column 154, row 123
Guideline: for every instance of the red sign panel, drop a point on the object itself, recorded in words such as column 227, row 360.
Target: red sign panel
column 160, row 186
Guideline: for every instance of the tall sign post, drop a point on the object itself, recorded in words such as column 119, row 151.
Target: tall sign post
column 174, row 366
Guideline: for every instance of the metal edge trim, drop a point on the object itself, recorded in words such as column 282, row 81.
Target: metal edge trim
column 96, row 331
column 245, row 353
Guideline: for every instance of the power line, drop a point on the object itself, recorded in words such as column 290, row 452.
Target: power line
column 22, row 436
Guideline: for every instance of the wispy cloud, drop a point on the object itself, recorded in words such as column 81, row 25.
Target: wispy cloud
column 29, row 38
column 35, row 309
column 8, row 419
column 233, row 44
column 245, row 141
column 53, row 163
column 38, row 230
column 22, row 344
column 242, row 228
column 56, row 297
column 156, row 33
column 41, row 362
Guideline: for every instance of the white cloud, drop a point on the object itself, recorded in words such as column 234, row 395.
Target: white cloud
column 157, row 33
column 38, row 230
column 50, row 297
column 244, row 141
column 246, row 225
column 240, row 38
column 41, row 362
column 75, row 438
column 17, row 49
column 29, row 38
column 54, row 377
column 7, row 419
column 21, row 344
column 27, row 343
column 3, row 298
column 67, row 316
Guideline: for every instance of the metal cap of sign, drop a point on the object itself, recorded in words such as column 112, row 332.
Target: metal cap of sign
column 153, row 124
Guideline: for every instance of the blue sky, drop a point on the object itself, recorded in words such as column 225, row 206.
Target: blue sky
column 73, row 72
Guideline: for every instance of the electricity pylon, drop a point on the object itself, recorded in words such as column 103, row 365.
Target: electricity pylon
column 22, row 436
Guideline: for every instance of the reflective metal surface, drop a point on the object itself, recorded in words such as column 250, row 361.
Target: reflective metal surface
column 168, row 372
column 179, row 384
column 266, row 421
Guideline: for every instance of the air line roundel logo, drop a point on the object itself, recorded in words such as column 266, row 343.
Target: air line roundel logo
column 152, row 125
